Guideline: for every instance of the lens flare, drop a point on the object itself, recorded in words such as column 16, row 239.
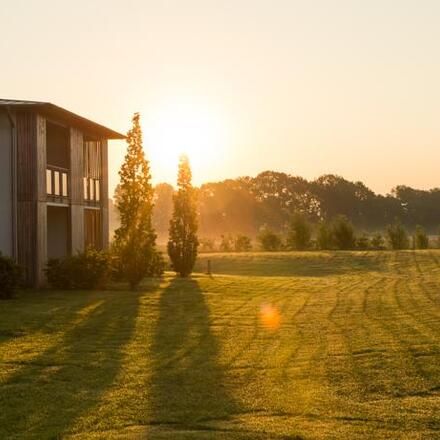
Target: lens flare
column 270, row 317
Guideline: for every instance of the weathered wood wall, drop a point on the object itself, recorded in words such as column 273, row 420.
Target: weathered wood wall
column 41, row 155
column 77, row 190
column 26, row 194
column 32, row 198
column 104, row 195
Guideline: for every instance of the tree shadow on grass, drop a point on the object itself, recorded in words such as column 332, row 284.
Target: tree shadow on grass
column 188, row 383
column 49, row 394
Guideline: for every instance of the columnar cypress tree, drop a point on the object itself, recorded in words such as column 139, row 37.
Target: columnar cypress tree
column 135, row 239
column 183, row 242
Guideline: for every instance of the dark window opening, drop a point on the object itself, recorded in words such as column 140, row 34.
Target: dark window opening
column 92, row 229
column 57, row 146
column 58, row 232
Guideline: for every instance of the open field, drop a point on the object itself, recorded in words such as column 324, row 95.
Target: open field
column 287, row 345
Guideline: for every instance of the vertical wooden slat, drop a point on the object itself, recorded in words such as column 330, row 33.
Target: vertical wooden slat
column 41, row 227
column 26, row 194
column 104, row 194
column 77, row 190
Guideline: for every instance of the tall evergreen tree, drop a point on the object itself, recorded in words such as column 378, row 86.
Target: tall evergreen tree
column 135, row 239
column 183, row 242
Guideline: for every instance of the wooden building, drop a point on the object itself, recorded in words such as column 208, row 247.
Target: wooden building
column 53, row 184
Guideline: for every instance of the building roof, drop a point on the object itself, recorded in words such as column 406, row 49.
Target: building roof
column 73, row 119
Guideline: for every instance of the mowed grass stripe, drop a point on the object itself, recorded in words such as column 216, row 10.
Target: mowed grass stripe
column 355, row 353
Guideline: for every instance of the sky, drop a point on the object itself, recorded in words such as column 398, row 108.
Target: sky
column 305, row 87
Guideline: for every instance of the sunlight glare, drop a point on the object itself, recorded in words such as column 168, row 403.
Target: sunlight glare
column 270, row 317
column 189, row 128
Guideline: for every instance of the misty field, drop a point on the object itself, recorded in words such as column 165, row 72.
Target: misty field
column 284, row 345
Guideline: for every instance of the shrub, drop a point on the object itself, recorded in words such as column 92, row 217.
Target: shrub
column 324, row 238
column 242, row 243
column 269, row 240
column 343, row 233
column 377, row 241
column 421, row 240
column 87, row 270
column 10, row 276
column 226, row 243
column 157, row 265
column 397, row 236
column 363, row 242
column 299, row 233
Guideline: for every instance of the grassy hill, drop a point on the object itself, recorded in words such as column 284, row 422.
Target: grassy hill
column 285, row 345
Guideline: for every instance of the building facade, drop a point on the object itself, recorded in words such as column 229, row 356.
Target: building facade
column 53, row 184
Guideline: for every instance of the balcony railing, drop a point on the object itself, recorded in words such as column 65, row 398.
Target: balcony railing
column 57, row 184
column 92, row 190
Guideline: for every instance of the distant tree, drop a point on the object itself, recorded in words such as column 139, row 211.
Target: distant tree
column 343, row 233
column 421, row 239
column 206, row 245
column 397, row 236
column 163, row 209
column 269, row 240
column 377, row 241
column 363, row 242
column 183, row 242
column 300, row 232
column 324, row 236
column 242, row 243
column 135, row 240
column 226, row 243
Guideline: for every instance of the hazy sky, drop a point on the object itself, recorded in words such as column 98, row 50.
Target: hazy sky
column 307, row 87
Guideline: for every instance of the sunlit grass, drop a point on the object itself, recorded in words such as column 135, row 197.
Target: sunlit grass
column 312, row 345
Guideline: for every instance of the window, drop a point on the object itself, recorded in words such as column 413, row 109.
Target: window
column 97, row 190
column 91, row 190
column 92, row 171
column 56, row 183
column 49, row 182
column 64, row 182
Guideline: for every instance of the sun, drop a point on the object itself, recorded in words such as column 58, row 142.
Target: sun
column 185, row 127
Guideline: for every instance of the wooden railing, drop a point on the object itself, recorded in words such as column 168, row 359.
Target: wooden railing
column 92, row 190
column 57, row 184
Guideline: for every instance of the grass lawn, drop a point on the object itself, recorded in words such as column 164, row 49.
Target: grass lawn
column 287, row 345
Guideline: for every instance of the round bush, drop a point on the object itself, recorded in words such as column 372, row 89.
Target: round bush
column 10, row 276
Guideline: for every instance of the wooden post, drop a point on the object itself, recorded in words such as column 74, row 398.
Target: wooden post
column 208, row 268
column 41, row 202
column 76, row 188
column 104, row 195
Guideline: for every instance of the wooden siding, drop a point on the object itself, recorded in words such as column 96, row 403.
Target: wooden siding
column 76, row 190
column 104, row 195
column 76, row 167
column 41, row 156
column 26, row 194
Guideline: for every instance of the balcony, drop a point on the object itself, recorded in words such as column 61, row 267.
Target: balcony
column 57, row 184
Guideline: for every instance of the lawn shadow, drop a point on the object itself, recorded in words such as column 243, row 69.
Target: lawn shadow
column 50, row 393
column 188, row 383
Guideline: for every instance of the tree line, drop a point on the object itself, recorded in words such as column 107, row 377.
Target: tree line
column 247, row 204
